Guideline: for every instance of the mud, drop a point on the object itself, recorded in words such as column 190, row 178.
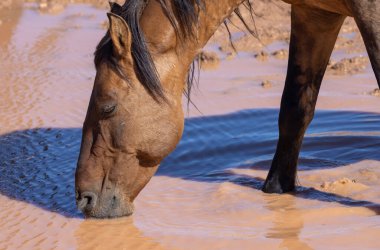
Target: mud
column 208, row 60
column 266, row 84
column 375, row 92
column 281, row 54
column 350, row 66
column 206, row 195
column 262, row 56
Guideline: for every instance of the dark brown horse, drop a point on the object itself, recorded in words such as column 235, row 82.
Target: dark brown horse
column 135, row 116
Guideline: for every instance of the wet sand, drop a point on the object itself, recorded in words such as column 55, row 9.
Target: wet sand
column 206, row 194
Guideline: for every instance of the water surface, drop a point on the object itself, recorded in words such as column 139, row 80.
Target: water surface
column 206, row 193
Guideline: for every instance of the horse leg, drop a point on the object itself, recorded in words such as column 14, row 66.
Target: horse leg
column 313, row 35
column 366, row 14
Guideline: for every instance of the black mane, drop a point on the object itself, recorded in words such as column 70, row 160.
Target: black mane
column 183, row 15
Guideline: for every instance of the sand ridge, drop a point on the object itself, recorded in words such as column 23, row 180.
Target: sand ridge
column 210, row 198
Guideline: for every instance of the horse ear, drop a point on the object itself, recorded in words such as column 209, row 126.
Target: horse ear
column 111, row 4
column 115, row 8
column 120, row 35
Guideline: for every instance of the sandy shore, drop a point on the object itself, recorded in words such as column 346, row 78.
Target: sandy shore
column 206, row 194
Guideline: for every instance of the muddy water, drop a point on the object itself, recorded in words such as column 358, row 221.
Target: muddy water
column 206, row 194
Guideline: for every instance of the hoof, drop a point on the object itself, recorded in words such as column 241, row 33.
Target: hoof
column 274, row 186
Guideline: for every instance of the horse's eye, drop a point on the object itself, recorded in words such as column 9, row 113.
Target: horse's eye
column 108, row 110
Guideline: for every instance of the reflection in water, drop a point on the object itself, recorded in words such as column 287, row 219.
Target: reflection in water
column 287, row 222
column 112, row 234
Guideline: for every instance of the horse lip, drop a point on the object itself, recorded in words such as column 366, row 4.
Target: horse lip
column 110, row 213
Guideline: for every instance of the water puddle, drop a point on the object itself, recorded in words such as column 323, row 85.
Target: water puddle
column 206, row 194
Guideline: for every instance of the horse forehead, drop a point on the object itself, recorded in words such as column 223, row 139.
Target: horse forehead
column 106, row 78
column 104, row 92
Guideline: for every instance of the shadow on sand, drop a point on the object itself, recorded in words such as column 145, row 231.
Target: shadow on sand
column 37, row 165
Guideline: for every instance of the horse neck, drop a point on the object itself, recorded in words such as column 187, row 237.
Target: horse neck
column 159, row 30
column 178, row 54
column 215, row 12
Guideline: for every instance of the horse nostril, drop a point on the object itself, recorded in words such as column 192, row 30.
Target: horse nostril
column 86, row 201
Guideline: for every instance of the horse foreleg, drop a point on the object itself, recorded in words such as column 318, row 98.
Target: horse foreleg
column 313, row 35
column 366, row 14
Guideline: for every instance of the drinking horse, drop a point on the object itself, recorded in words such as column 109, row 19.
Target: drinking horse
column 143, row 65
